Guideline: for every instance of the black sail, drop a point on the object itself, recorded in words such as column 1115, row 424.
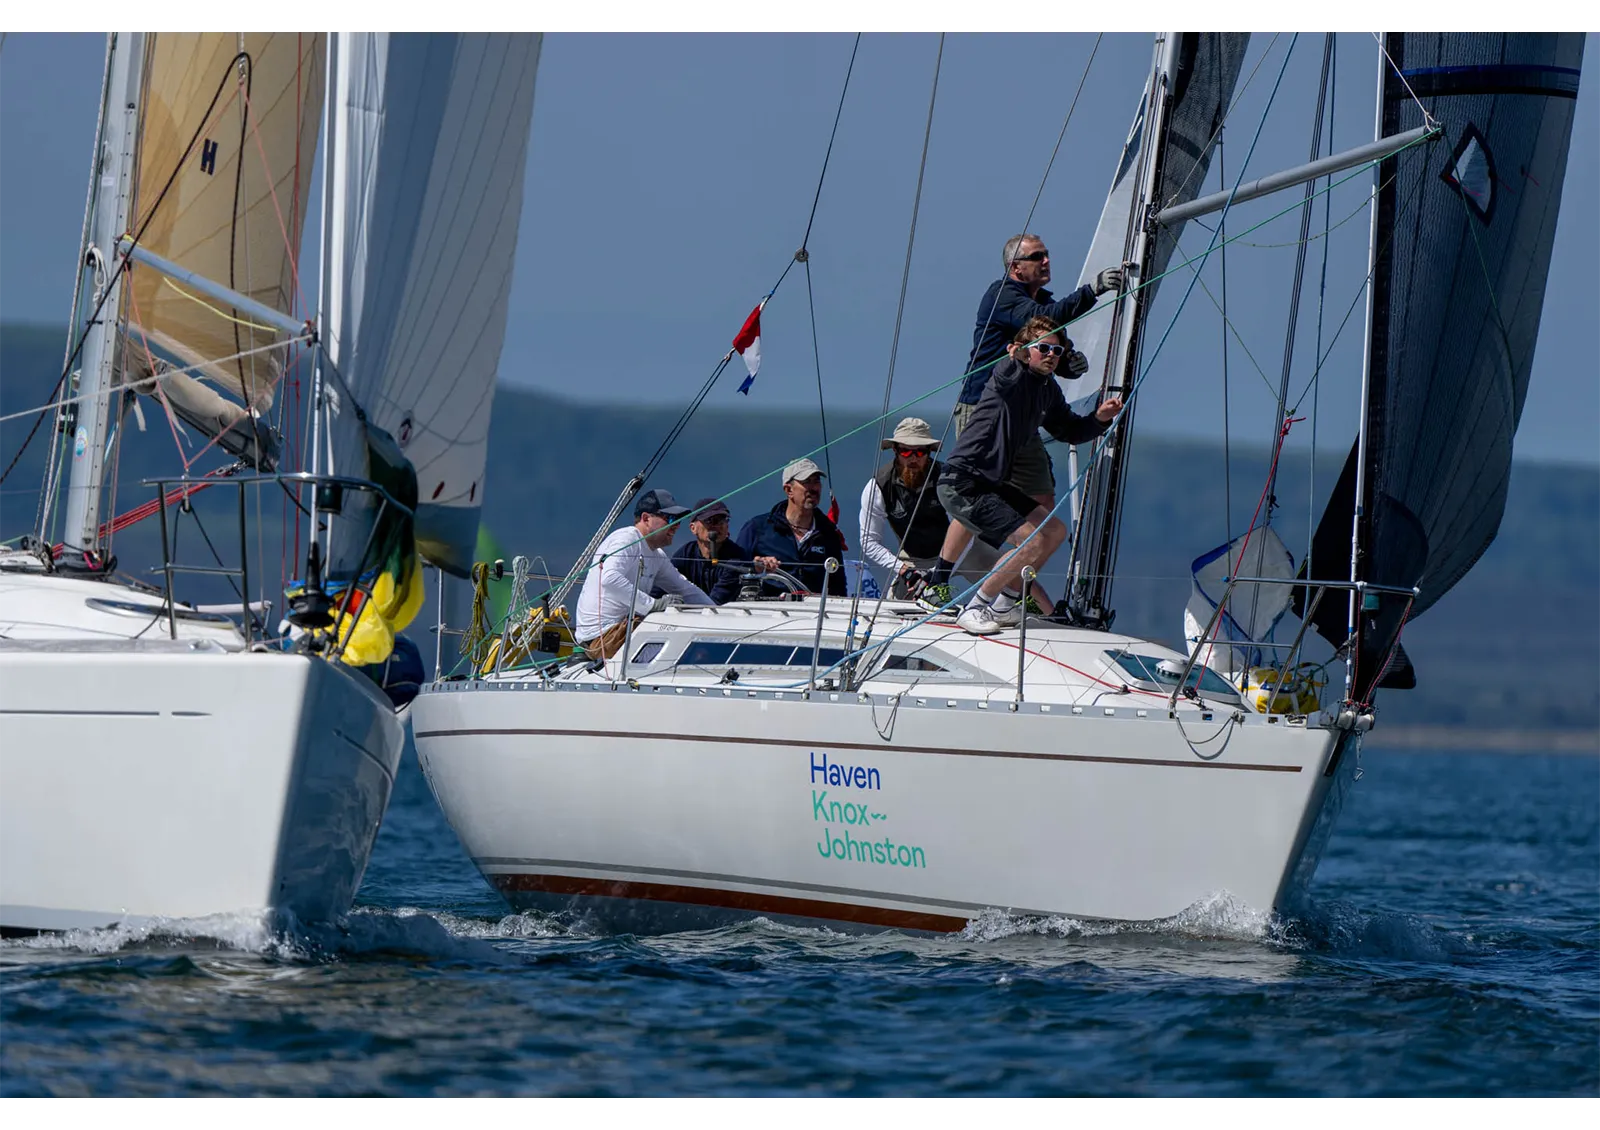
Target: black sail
column 1465, row 226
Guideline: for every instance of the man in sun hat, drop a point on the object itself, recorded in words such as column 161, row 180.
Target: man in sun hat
column 904, row 495
column 798, row 534
column 627, row 565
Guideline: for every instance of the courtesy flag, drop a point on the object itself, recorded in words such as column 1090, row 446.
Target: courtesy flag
column 748, row 346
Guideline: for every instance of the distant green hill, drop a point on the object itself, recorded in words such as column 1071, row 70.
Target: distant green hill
column 1515, row 646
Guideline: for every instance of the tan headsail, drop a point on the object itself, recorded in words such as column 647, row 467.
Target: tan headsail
column 235, row 212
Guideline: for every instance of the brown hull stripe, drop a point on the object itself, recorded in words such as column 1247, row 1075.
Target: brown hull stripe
column 729, row 900
column 853, row 745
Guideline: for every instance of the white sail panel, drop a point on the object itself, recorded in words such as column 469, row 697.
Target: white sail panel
column 235, row 212
column 429, row 145
column 1254, row 608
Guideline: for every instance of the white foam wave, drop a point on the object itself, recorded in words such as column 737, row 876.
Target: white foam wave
column 255, row 932
column 1219, row 917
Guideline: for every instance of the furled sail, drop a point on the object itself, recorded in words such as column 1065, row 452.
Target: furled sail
column 429, row 142
column 251, row 104
column 1464, row 231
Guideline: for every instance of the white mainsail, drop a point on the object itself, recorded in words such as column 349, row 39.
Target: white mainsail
column 430, row 135
column 234, row 213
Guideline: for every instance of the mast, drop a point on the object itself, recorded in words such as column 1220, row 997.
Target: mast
column 1357, row 518
column 1094, row 547
column 116, row 145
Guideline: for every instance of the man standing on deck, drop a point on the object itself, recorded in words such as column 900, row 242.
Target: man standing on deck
column 1009, row 304
column 977, row 488
column 627, row 564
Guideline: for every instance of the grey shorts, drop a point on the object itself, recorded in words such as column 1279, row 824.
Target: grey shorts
column 992, row 511
column 1031, row 471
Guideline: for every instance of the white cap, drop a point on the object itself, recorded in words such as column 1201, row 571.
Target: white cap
column 800, row 469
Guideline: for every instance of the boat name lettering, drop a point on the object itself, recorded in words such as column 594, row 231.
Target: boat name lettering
column 846, row 847
column 834, row 812
column 844, row 776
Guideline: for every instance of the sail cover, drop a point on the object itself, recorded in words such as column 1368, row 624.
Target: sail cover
column 1205, row 70
column 1464, row 233
column 429, row 144
column 234, row 212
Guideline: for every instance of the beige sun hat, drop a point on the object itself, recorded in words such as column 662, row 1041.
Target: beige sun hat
column 911, row 432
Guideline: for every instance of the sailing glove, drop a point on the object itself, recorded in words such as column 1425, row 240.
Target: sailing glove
column 1075, row 363
column 1108, row 280
column 665, row 601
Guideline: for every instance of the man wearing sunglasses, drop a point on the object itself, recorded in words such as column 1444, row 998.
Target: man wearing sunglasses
column 904, row 495
column 976, row 487
column 711, row 560
column 1009, row 304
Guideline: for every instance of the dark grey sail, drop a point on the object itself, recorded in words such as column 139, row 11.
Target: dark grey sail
column 1204, row 70
column 1463, row 239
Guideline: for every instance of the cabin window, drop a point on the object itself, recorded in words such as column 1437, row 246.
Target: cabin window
column 649, row 651
column 911, row 663
column 763, row 654
column 1150, row 669
column 706, row 653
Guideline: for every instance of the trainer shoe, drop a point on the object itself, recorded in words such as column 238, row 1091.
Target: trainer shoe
column 936, row 598
column 1011, row 617
column 979, row 619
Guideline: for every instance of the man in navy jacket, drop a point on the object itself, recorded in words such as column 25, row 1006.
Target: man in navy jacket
column 1009, row 304
column 797, row 533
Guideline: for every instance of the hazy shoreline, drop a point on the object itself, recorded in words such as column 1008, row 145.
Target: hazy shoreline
column 1475, row 739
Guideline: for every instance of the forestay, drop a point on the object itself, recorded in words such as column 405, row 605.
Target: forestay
column 1463, row 236
column 430, row 136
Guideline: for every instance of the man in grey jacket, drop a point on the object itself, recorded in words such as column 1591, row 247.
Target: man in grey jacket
column 975, row 489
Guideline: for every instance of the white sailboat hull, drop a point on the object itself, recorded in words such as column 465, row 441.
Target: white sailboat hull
column 163, row 778
column 666, row 808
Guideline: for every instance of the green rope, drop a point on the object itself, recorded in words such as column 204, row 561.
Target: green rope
column 1171, row 269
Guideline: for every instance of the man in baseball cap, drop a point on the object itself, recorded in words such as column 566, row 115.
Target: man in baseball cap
column 627, row 565
column 712, row 560
column 797, row 534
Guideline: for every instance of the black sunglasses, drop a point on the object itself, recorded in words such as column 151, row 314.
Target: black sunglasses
column 1036, row 257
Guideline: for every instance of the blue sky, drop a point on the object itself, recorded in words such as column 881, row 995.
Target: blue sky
column 670, row 177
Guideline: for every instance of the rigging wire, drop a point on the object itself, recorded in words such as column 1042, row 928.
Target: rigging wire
column 1322, row 294
column 1361, row 170
column 1227, row 400
column 1050, row 164
column 911, row 239
column 122, row 264
column 816, row 357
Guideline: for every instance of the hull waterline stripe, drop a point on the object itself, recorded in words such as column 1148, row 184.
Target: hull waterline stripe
column 728, row 900
column 968, row 909
column 942, row 750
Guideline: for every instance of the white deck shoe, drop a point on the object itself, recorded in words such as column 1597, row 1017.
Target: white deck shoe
column 979, row 619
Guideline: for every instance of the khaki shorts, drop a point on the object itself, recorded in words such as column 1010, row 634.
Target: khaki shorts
column 1031, row 472
column 610, row 641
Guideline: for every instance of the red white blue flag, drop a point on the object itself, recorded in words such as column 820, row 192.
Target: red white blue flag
column 748, row 346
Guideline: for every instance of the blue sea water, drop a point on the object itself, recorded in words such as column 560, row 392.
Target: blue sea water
column 1452, row 946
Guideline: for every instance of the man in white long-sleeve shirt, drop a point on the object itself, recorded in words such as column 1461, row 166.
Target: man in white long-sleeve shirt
column 627, row 564
column 904, row 497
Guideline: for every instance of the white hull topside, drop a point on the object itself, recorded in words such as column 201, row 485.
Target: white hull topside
column 145, row 778
column 662, row 803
